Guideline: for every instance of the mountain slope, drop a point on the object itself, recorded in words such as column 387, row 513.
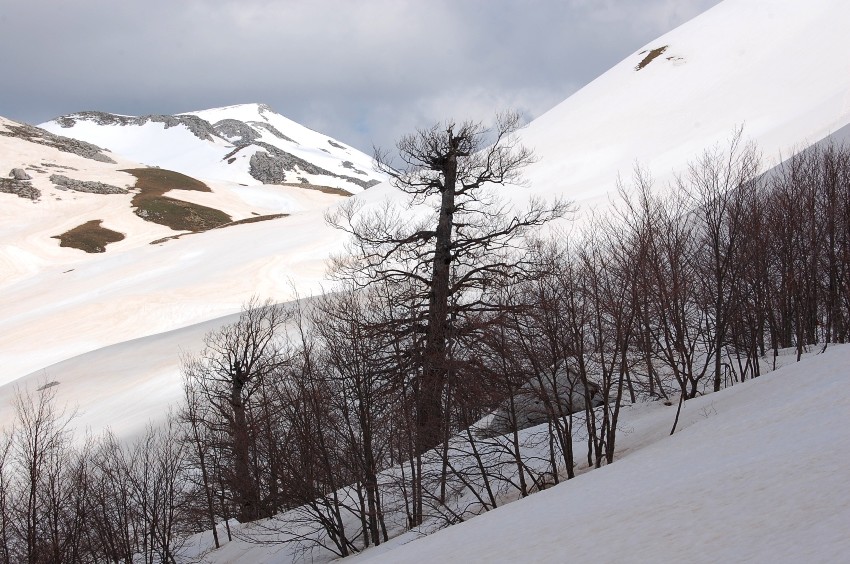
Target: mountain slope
column 777, row 69
column 739, row 63
column 66, row 184
column 27, row 222
column 752, row 476
column 54, row 295
column 248, row 144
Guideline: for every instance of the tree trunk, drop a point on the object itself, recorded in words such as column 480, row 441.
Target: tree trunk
column 243, row 481
column 429, row 411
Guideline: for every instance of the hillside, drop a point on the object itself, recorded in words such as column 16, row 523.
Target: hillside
column 776, row 69
column 752, row 476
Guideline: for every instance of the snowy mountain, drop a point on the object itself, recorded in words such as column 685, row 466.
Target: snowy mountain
column 738, row 65
column 58, row 185
column 110, row 327
column 717, row 72
column 247, row 144
column 80, row 209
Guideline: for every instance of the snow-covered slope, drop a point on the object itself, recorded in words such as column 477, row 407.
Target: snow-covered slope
column 70, row 307
column 122, row 386
column 248, row 144
column 779, row 68
column 755, row 474
column 53, row 295
column 29, row 220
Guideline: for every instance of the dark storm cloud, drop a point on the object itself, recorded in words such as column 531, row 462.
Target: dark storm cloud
column 364, row 72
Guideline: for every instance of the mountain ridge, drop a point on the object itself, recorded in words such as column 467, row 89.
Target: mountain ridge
column 245, row 143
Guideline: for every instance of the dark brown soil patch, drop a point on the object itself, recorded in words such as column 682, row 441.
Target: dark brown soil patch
column 254, row 219
column 89, row 237
column 650, row 56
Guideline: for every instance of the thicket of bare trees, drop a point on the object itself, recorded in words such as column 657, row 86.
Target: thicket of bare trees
column 100, row 501
column 307, row 419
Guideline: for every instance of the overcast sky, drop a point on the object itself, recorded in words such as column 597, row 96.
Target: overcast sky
column 364, row 71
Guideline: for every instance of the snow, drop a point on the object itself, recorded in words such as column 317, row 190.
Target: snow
column 155, row 288
column 755, row 473
column 123, row 386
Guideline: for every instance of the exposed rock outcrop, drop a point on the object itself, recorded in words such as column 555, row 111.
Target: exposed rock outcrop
column 272, row 165
column 66, row 144
column 272, row 154
column 90, row 186
column 271, row 129
column 19, row 174
column 350, row 166
column 235, row 131
column 200, row 128
column 21, row 188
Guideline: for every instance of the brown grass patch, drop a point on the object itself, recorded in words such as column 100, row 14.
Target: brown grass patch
column 231, row 224
column 89, row 237
column 152, row 206
column 320, row 188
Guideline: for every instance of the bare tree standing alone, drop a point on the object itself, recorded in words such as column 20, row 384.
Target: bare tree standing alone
column 466, row 245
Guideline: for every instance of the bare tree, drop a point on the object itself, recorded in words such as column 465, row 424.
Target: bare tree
column 40, row 448
column 228, row 376
column 465, row 245
column 717, row 185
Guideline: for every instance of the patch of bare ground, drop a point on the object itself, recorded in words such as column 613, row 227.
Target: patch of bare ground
column 89, row 237
column 650, row 56
column 319, row 187
column 231, row 224
column 151, row 205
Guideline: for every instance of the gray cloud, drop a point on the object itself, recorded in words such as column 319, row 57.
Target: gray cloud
column 364, row 72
